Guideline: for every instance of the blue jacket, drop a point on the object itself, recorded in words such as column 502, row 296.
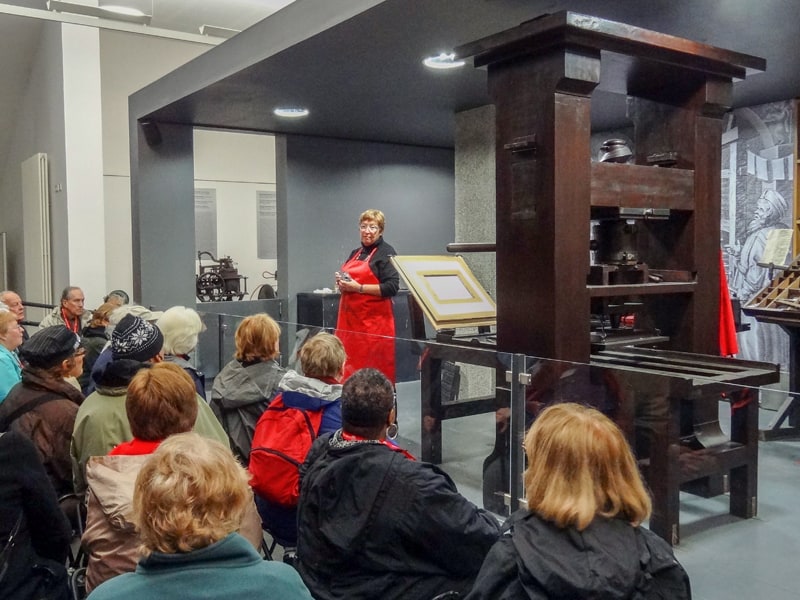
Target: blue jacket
column 229, row 568
column 308, row 393
column 10, row 371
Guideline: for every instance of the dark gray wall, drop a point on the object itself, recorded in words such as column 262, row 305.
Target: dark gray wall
column 162, row 212
column 325, row 184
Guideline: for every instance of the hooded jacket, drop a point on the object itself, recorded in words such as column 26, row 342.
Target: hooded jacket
column 307, row 393
column 239, row 396
column 102, row 421
column 110, row 537
column 374, row 524
column 609, row 560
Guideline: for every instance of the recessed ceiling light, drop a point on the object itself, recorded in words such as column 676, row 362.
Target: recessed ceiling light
column 443, row 61
column 291, row 113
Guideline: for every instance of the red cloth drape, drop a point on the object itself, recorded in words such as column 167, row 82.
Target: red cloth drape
column 728, row 346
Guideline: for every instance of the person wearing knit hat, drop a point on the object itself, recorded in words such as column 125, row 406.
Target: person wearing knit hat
column 102, row 421
column 43, row 405
column 136, row 339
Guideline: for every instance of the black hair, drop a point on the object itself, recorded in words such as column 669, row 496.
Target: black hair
column 367, row 400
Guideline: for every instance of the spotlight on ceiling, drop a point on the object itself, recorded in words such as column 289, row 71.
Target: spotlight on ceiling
column 443, row 61
column 291, row 112
column 221, row 32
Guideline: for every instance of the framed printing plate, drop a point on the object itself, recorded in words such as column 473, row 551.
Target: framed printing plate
column 447, row 291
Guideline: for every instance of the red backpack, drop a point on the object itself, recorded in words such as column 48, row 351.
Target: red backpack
column 282, row 438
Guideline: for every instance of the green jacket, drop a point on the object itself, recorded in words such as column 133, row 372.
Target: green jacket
column 102, row 423
column 229, row 568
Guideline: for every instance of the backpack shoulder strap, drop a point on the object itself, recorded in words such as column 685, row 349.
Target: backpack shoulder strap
column 27, row 407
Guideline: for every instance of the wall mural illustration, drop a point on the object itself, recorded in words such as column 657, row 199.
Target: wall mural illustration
column 757, row 192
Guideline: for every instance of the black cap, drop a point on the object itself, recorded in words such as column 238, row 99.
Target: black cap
column 48, row 347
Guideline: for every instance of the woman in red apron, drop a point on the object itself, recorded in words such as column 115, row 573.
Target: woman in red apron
column 367, row 281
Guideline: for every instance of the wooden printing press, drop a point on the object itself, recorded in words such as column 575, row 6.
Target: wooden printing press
column 542, row 76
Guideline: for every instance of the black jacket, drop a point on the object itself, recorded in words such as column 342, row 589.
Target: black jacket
column 374, row 524
column 44, row 533
column 609, row 560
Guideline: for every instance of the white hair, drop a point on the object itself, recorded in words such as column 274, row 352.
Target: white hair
column 181, row 327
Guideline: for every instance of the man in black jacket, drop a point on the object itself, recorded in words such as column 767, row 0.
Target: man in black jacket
column 375, row 523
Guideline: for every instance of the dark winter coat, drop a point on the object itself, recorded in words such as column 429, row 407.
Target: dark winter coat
column 44, row 533
column 609, row 560
column 374, row 524
column 239, row 396
column 48, row 425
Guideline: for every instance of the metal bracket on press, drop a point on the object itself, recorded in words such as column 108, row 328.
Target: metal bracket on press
column 523, row 379
column 526, row 143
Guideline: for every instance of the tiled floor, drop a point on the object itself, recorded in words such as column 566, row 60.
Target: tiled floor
column 726, row 558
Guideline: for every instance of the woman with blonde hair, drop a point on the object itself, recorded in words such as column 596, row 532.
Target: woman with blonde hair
column 247, row 384
column 581, row 534
column 189, row 501
column 10, row 340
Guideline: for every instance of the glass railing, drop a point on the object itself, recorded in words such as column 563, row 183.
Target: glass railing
column 692, row 421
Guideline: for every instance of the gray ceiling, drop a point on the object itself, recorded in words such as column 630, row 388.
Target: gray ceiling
column 363, row 78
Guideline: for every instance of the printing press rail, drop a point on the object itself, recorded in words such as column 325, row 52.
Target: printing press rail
column 659, row 387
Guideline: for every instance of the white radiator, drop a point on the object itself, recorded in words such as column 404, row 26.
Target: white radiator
column 36, row 229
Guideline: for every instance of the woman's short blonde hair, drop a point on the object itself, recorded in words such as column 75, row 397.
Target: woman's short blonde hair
column 7, row 319
column 322, row 356
column 181, row 327
column 580, row 466
column 373, row 214
column 257, row 338
column 189, row 494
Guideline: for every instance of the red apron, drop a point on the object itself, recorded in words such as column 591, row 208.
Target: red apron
column 366, row 323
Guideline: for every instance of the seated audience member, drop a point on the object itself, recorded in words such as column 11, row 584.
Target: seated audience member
column 161, row 401
column 10, row 340
column 245, row 386
column 70, row 312
column 317, row 394
column 580, row 536
column 105, row 356
column 14, row 303
column 43, row 405
column 181, row 327
column 117, row 297
column 189, row 500
column 94, row 338
column 33, row 567
column 102, row 422
column 375, row 523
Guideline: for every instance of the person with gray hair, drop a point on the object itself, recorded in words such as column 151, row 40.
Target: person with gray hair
column 12, row 301
column 181, row 327
column 70, row 312
column 748, row 277
column 369, row 513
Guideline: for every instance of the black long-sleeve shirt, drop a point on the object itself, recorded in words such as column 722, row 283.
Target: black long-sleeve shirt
column 381, row 266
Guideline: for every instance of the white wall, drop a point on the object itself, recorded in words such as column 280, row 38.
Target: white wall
column 237, row 166
column 82, row 205
column 128, row 62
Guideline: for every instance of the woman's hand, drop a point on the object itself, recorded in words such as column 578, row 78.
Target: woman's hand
column 348, row 285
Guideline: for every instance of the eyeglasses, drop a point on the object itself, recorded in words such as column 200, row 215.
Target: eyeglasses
column 370, row 228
